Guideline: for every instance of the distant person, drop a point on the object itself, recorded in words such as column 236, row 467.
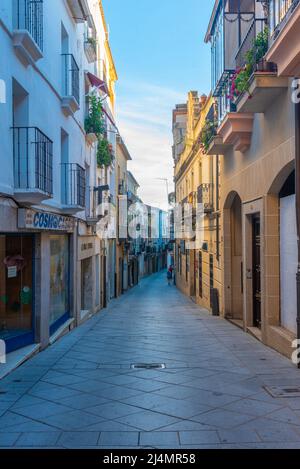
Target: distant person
column 170, row 275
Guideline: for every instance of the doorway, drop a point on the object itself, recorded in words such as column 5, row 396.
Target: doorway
column 104, row 289
column 233, row 259
column 193, row 263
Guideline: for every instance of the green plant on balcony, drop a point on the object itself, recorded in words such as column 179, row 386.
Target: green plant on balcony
column 92, row 41
column 105, row 155
column 240, row 80
column 94, row 122
column 207, row 133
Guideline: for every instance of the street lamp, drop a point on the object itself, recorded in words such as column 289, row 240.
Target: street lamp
column 167, row 186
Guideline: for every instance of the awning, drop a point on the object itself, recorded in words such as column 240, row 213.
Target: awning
column 97, row 83
column 101, row 85
column 109, row 118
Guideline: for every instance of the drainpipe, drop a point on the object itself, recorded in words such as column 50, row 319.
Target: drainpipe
column 297, row 172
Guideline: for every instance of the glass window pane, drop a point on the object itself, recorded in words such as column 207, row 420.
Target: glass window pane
column 59, row 277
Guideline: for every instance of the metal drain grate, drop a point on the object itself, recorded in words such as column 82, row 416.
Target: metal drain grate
column 283, row 391
column 148, row 366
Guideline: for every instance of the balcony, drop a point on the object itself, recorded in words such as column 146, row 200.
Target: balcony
column 256, row 28
column 285, row 45
column 236, row 130
column 217, row 146
column 205, row 197
column 122, row 188
column 264, row 88
column 70, row 92
column 73, row 188
column 90, row 44
column 79, row 10
column 28, row 30
column 227, row 32
column 33, row 165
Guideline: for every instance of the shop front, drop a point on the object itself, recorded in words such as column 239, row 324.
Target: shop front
column 17, row 324
column 89, row 276
column 53, row 271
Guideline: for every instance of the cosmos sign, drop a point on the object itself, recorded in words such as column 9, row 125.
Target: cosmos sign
column 39, row 220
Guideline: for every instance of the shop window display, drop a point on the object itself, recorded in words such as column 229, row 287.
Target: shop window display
column 16, row 290
column 59, row 281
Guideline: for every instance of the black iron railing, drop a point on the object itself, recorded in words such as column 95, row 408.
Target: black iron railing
column 90, row 44
column 280, row 13
column 73, row 185
column 70, row 77
column 122, row 188
column 205, row 197
column 33, row 160
column 257, row 26
column 29, row 16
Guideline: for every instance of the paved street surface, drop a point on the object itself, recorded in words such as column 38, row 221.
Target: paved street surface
column 82, row 392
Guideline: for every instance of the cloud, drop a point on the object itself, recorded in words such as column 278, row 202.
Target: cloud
column 144, row 114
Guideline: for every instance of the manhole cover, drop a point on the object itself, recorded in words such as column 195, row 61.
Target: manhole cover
column 283, row 391
column 148, row 366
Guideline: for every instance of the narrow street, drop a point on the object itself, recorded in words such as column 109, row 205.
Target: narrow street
column 82, row 391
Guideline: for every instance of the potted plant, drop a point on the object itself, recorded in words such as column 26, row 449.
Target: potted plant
column 207, row 133
column 254, row 61
column 105, row 155
column 94, row 123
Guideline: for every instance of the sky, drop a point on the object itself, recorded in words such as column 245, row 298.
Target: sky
column 160, row 54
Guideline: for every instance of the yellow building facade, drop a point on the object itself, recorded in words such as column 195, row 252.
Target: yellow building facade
column 197, row 182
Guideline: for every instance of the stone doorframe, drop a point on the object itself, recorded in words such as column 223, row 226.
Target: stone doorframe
column 227, row 252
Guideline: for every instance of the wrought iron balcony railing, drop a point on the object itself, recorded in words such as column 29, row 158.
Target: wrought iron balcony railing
column 205, row 197
column 70, row 77
column 257, row 26
column 73, row 185
column 33, row 160
column 29, row 16
column 122, row 188
column 90, row 44
column 280, row 12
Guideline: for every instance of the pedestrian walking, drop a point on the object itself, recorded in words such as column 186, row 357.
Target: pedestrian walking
column 170, row 275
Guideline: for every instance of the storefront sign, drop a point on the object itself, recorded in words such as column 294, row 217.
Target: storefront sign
column 88, row 246
column 34, row 220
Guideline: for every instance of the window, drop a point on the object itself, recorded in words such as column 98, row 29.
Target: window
column 16, row 290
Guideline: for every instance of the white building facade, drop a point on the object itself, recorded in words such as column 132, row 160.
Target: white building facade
column 51, row 257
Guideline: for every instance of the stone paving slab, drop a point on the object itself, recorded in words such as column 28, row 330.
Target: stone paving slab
column 83, row 393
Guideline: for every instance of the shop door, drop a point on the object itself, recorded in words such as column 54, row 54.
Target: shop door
column 211, row 278
column 288, row 262
column 121, row 268
column 59, row 307
column 256, row 271
column 87, row 284
column 193, row 262
column 104, row 295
